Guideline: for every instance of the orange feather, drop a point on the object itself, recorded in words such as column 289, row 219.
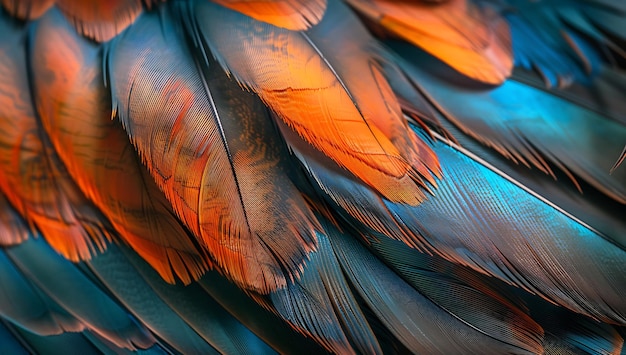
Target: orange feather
column 475, row 41
column 75, row 110
column 31, row 176
column 295, row 78
column 12, row 228
column 289, row 14
column 206, row 143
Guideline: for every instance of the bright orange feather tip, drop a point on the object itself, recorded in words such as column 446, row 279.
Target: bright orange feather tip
column 68, row 83
column 290, row 14
column 474, row 41
column 309, row 84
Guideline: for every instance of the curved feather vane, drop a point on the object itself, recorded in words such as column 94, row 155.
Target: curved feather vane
column 497, row 231
column 75, row 109
column 31, row 175
column 314, row 100
column 421, row 323
column 98, row 20
column 13, row 230
column 290, row 14
column 551, row 130
column 565, row 39
column 256, row 163
column 24, row 304
column 79, row 296
column 472, row 39
column 206, row 143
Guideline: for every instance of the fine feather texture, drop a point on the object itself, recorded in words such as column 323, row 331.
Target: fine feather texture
column 13, row 230
column 74, row 107
column 32, row 178
column 472, row 39
column 214, row 138
column 551, row 130
column 98, row 20
column 309, row 253
column 419, row 323
column 290, row 14
column 473, row 227
column 564, row 40
column 25, row 305
column 314, row 100
column 79, row 296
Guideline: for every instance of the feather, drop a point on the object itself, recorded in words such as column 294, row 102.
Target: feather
column 563, row 40
column 478, row 228
column 619, row 161
column 32, row 178
column 259, row 316
column 57, row 344
column 420, row 324
column 230, row 183
column 10, row 342
column 472, row 39
column 13, row 230
column 203, row 314
column 570, row 137
column 98, row 20
column 290, row 14
column 79, row 296
column 312, row 98
column 68, row 84
column 572, row 333
column 321, row 305
column 128, row 287
column 27, row 9
column 102, row 20
column 25, row 305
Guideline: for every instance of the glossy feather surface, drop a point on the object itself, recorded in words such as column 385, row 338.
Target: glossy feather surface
column 306, row 177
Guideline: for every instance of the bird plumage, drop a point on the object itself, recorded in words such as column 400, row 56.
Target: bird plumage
column 359, row 176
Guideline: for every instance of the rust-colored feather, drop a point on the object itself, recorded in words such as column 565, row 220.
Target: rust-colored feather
column 12, row 228
column 31, row 176
column 358, row 127
column 289, row 14
column 75, row 109
column 209, row 146
column 475, row 41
